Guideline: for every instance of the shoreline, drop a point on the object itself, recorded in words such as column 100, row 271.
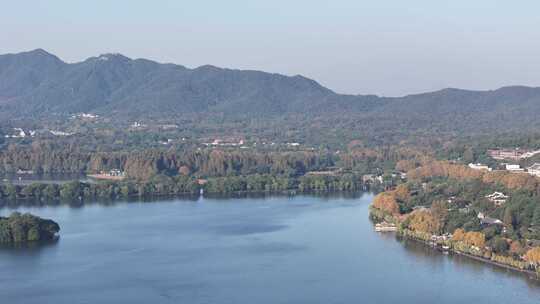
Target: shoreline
column 376, row 216
column 531, row 274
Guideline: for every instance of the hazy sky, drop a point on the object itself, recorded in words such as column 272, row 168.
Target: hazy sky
column 351, row 46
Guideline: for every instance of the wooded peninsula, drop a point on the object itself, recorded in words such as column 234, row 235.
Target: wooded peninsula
column 491, row 215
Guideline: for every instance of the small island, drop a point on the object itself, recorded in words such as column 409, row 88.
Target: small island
column 22, row 228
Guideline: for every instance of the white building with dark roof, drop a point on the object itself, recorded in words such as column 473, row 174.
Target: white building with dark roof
column 498, row 198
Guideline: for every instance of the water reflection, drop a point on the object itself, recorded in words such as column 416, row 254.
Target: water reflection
column 25, row 203
column 437, row 259
column 29, row 248
column 11, row 205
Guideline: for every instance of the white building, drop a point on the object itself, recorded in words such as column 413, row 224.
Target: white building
column 479, row 167
column 89, row 115
column 18, row 133
column 529, row 154
column 60, row 133
column 514, row 168
column 498, row 198
column 486, row 220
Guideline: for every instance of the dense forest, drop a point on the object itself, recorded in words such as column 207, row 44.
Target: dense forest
column 38, row 194
column 199, row 163
column 157, row 172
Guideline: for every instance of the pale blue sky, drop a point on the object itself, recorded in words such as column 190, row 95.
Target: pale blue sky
column 351, row 46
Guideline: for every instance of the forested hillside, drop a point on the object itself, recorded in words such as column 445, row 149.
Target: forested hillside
column 39, row 86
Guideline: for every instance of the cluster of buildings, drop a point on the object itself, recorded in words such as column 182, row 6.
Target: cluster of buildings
column 513, row 154
column 20, row 133
column 114, row 174
column 137, row 125
column 512, row 168
column 332, row 171
column 497, row 198
column 371, row 178
column 226, row 142
column 534, row 169
column 168, row 127
column 85, row 116
column 60, row 133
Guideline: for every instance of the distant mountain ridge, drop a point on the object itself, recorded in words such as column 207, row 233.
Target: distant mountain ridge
column 37, row 83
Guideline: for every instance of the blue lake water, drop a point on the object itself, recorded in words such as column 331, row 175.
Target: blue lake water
column 302, row 249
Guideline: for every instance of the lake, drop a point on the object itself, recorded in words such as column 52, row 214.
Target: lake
column 302, row 249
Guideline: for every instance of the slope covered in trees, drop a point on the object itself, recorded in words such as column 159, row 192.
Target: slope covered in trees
column 37, row 84
column 36, row 81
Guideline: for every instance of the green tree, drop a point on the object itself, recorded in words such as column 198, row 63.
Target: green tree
column 508, row 217
column 70, row 191
column 499, row 245
column 536, row 217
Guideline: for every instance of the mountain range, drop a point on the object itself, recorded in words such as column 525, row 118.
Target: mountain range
column 37, row 84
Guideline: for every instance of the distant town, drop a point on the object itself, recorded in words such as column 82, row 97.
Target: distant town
column 514, row 155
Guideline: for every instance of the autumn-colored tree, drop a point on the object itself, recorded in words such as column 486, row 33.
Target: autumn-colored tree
column 439, row 209
column 386, row 202
column 477, row 239
column 511, row 180
column 402, row 193
column 184, row 170
column 458, row 235
column 405, row 165
column 533, row 256
column 424, row 221
column 516, row 248
column 444, row 169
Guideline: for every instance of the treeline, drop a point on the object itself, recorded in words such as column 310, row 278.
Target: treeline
column 21, row 228
column 142, row 165
column 38, row 193
column 163, row 185
column 271, row 183
column 445, row 169
column 145, row 164
column 474, row 149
